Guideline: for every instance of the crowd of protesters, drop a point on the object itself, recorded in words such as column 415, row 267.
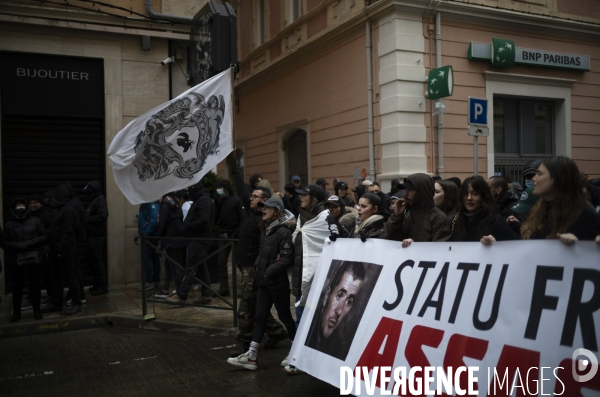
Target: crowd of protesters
column 281, row 235
column 46, row 239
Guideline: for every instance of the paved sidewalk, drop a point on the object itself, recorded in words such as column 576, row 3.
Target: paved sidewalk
column 126, row 300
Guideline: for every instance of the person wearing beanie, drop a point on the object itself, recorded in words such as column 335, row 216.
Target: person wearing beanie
column 229, row 217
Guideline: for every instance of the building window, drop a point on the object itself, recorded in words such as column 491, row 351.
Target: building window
column 260, row 22
column 296, row 156
column 295, row 10
column 523, row 130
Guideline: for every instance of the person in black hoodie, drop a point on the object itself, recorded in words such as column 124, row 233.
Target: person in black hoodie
column 80, row 237
column 505, row 198
column 95, row 227
column 170, row 224
column 40, row 210
column 198, row 224
column 23, row 233
column 63, row 251
column 248, row 249
column 478, row 218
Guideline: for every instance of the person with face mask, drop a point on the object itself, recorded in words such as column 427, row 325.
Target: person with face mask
column 229, row 217
column 529, row 171
column 23, row 234
column 63, row 251
column 97, row 216
column 417, row 218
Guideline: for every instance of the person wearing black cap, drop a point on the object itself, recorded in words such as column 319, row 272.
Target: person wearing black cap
column 63, row 251
column 341, row 191
column 529, row 171
column 417, row 218
column 345, row 216
column 291, row 199
column 97, row 216
column 322, row 183
column 23, row 236
column 230, row 216
column 312, row 229
column 276, row 256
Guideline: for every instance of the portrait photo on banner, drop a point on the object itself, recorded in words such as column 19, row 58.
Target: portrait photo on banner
column 342, row 303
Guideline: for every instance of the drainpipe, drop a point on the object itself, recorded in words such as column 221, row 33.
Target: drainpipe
column 440, row 115
column 165, row 17
column 370, row 105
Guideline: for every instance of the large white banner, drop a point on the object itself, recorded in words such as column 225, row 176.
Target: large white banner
column 175, row 144
column 516, row 318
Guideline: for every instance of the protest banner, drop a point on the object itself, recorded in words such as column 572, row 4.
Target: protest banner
column 175, row 144
column 515, row 318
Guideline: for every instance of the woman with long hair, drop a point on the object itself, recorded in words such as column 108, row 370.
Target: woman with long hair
column 372, row 217
column 478, row 218
column 276, row 256
column 445, row 197
column 562, row 211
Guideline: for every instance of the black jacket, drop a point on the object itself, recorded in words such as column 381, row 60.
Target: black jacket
column 249, row 239
column 62, row 235
column 230, row 215
column 46, row 215
column 97, row 212
column 505, row 202
column 80, row 227
column 201, row 215
column 170, row 223
column 23, row 232
column 586, row 227
column 497, row 228
column 276, row 242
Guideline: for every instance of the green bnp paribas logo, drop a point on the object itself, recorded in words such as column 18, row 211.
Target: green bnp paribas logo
column 503, row 52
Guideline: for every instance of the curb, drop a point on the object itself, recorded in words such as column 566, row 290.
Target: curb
column 103, row 320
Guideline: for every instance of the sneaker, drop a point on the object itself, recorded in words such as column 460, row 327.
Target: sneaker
column 83, row 300
column 244, row 361
column 26, row 304
column 149, row 287
column 223, row 292
column 162, row 294
column 275, row 339
column 203, row 300
column 197, row 287
column 51, row 308
column 175, row 299
column 73, row 310
column 241, row 348
column 284, row 362
column 68, row 301
column 37, row 314
column 290, row 369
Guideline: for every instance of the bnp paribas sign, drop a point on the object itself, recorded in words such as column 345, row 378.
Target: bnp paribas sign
column 505, row 53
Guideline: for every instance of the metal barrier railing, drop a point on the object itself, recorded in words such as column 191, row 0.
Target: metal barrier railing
column 141, row 240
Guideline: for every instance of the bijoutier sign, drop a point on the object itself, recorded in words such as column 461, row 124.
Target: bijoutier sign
column 513, row 319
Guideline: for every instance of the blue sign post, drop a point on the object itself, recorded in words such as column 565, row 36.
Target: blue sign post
column 477, row 111
column 477, row 119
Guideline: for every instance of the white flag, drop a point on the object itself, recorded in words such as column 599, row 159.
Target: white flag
column 175, row 144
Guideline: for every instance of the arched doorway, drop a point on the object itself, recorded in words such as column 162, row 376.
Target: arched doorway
column 296, row 156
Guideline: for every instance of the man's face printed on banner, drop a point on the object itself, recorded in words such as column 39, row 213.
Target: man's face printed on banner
column 338, row 302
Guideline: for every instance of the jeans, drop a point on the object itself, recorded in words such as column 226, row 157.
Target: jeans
column 195, row 264
column 265, row 299
column 65, row 267
column 95, row 256
column 151, row 262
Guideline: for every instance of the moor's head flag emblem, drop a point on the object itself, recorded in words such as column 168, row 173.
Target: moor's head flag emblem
column 175, row 144
column 503, row 52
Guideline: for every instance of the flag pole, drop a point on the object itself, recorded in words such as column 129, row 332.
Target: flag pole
column 232, row 68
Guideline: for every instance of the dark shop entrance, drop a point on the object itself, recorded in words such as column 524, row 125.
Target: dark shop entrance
column 52, row 127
